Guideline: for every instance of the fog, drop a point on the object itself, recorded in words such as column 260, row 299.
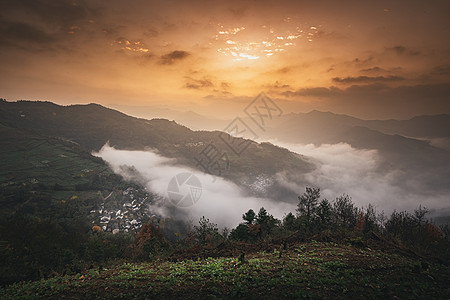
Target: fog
column 221, row 201
column 340, row 169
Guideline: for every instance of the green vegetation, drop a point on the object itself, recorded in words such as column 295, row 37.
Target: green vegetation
column 313, row 270
column 48, row 188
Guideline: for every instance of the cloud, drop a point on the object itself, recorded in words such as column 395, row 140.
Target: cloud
column 367, row 79
column 373, row 69
column 198, row 84
column 277, row 85
column 442, row 70
column 174, row 56
column 376, row 91
column 23, row 34
column 402, row 50
column 37, row 24
column 63, row 12
column 377, row 70
column 314, row 92
column 221, row 201
column 340, row 169
column 364, row 61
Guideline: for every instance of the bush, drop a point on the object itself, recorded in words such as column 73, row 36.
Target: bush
column 149, row 243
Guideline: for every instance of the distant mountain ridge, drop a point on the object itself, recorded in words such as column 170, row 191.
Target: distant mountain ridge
column 319, row 127
column 414, row 157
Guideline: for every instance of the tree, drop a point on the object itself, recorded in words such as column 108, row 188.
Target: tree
column 324, row 213
column 266, row 221
column 360, row 222
column 240, row 233
column 249, row 216
column 149, row 242
column 370, row 218
column 263, row 216
column 289, row 221
column 206, row 232
column 419, row 214
column 344, row 211
column 308, row 202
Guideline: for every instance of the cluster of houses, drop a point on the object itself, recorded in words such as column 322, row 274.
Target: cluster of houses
column 122, row 212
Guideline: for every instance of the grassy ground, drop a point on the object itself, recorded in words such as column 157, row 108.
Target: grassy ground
column 26, row 157
column 303, row 271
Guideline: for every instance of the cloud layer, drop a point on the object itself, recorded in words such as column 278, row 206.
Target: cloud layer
column 342, row 169
column 221, row 201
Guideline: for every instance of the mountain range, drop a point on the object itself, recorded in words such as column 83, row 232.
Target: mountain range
column 402, row 146
column 92, row 126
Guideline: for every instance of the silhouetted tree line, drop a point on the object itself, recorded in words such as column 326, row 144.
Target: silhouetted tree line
column 34, row 247
column 318, row 218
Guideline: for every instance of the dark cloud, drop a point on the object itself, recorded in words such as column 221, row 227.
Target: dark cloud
column 23, row 35
column 53, row 12
column 402, row 50
column 284, row 70
column 225, row 85
column 421, row 91
column 172, row 57
column 36, row 25
column 314, row 92
column 367, row 79
column 442, row 70
column 363, row 61
column 278, row 86
column 238, row 13
column 373, row 70
column 197, row 84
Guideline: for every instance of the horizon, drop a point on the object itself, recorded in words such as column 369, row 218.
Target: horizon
column 125, row 109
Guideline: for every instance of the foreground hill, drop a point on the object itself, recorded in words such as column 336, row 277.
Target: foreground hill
column 92, row 126
column 301, row 271
column 52, row 193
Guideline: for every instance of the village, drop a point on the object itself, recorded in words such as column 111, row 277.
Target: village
column 123, row 211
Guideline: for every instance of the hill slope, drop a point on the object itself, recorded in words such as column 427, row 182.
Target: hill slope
column 91, row 126
column 303, row 271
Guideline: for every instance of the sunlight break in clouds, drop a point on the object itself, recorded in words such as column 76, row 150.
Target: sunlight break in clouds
column 221, row 201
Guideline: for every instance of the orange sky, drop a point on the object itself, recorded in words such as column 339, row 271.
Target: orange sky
column 370, row 59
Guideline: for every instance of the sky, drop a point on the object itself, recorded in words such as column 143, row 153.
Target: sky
column 369, row 59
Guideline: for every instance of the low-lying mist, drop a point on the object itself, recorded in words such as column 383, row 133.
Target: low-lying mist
column 340, row 168
column 221, row 201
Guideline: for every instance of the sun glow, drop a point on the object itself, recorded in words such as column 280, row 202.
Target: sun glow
column 259, row 42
